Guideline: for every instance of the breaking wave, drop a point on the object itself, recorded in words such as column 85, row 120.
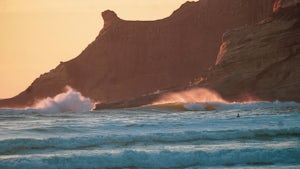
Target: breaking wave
column 265, row 136
column 189, row 96
column 207, row 106
column 69, row 101
column 75, row 143
column 158, row 159
column 223, row 106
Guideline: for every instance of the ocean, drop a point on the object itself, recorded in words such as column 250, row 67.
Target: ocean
column 266, row 135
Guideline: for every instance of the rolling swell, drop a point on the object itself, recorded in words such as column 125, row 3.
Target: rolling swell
column 265, row 136
column 158, row 159
column 242, row 106
column 19, row 145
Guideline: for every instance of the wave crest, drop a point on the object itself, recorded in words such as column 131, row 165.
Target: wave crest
column 70, row 100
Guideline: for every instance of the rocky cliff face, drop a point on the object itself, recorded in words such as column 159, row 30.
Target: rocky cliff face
column 262, row 61
column 279, row 4
column 133, row 58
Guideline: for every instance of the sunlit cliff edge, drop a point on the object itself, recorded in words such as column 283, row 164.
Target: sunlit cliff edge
column 131, row 62
column 261, row 61
column 254, row 63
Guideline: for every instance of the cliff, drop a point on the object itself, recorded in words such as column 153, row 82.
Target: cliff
column 129, row 59
column 258, row 62
column 261, row 62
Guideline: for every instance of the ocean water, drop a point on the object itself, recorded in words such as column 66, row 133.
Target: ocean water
column 266, row 135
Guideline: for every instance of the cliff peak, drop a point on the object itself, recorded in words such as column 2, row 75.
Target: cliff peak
column 109, row 17
column 130, row 59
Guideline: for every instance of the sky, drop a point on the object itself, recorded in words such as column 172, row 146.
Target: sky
column 35, row 35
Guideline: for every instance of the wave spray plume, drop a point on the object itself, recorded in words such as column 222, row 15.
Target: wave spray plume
column 70, row 100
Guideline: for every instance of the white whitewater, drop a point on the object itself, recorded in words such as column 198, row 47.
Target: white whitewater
column 68, row 101
column 266, row 135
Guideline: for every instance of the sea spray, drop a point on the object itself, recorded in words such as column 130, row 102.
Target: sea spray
column 265, row 136
column 70, row 100
column 206, row 106
column 189, row 96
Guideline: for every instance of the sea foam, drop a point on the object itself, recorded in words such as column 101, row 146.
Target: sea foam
column 70, row 100
column 206, row 106
column 162, row 159
column 265, row 136
column 19, row 145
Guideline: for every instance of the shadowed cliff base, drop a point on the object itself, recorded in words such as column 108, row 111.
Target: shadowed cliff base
column 130, row 59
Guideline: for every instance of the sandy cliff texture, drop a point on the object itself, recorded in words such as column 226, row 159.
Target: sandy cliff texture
column 261, row 61
column 133, row 58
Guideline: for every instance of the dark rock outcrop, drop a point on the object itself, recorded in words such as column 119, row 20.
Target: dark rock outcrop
column 261, row 62
column 129, row 59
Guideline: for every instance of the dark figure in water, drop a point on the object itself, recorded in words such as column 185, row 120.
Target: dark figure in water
column 238, row 115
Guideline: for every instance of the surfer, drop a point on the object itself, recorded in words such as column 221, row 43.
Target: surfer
column 238, row 115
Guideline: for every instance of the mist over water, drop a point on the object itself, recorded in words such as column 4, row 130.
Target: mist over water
column 190, row 96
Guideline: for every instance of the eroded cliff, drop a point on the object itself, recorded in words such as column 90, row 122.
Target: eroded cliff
column 261, row 62
column 129, row 59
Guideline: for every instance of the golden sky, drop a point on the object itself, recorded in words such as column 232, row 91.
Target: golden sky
column 35, row 35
